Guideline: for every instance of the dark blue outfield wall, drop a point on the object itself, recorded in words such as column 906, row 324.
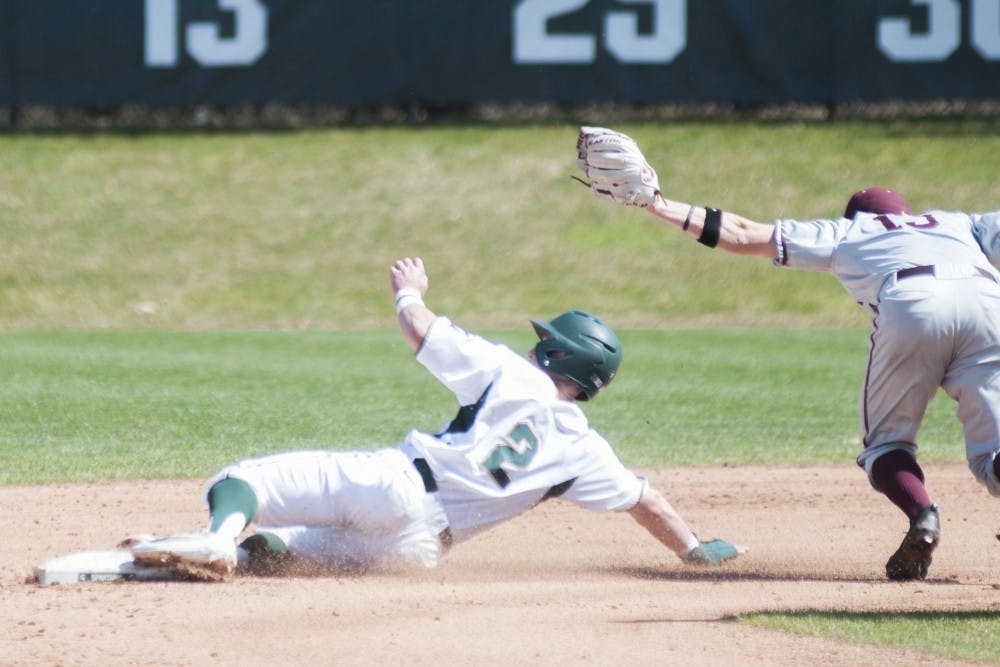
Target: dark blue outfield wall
column 107, row 53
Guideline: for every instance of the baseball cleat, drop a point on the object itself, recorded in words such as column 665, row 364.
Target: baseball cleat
column 263, row 554
column 133, row 540
column 208, row 553
column 913, row 558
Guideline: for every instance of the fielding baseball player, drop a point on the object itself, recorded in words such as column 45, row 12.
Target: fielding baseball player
column 518, row 439
column 930, row 284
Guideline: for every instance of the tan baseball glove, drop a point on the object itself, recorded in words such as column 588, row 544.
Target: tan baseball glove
column 615, row 167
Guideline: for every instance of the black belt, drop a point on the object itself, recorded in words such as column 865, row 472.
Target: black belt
column 929, row 271
column 430, row 485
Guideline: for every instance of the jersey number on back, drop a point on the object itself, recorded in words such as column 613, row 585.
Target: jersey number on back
column 923, row 222
column 516, row 449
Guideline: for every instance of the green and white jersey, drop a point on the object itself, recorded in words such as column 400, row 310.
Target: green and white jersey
column 514, row 442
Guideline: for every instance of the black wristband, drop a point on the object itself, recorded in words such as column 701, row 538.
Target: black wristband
column 687, row 220
column 713, row 225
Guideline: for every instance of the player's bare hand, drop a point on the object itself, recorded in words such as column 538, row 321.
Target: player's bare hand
column 408, row 272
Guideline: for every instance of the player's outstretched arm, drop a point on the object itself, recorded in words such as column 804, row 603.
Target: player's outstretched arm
column 715, row 228
column 658, row 516
column 409, row 283
column 618, row 171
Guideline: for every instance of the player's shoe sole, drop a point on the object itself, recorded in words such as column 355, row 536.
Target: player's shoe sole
column 913, row 558
column 204, row 554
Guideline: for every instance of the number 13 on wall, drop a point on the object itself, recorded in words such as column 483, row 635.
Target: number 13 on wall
column 204, row 40
column 533, row 44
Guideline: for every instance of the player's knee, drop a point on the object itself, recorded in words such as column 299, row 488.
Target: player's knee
column 232, row 495
column 873, row 453
column 986, row 469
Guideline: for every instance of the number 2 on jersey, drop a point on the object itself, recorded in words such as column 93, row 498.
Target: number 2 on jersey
column 516, row 448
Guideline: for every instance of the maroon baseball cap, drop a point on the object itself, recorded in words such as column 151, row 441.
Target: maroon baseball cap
column 876, row 200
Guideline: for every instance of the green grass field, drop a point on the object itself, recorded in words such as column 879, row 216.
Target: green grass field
column 172, row 302
column 295, row 230
column 959, row 635
column 148, row 404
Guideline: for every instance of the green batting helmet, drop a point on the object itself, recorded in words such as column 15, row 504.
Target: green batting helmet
column 579, row 346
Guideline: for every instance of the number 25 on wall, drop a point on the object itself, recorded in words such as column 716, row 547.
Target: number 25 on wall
column 204, row 40
column 533, row 44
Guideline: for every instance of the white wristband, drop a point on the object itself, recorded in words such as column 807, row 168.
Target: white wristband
column 407, row 296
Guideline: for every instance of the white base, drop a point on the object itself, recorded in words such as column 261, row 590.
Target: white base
column 115, row 565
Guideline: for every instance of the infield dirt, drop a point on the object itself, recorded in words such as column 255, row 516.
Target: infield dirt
column 559, row 585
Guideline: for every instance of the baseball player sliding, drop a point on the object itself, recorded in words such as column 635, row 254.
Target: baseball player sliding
column 927, row 279
column 518, row 439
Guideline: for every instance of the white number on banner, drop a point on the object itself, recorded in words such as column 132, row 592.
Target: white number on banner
column 943, row 36
column 205, row 42
column 533, row 44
